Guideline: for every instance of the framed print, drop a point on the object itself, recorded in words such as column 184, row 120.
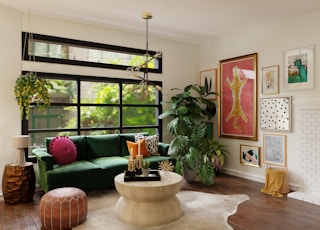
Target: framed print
column 250, row 155
column 208, row 78
column 238, row 92
column 270, row 79
column 275, row 114
column 299, row 69
column 274, row 149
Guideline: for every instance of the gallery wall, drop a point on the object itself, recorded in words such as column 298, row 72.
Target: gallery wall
column 270, row 42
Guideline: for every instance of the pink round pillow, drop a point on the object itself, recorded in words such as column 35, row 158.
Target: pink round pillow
column 63, row 150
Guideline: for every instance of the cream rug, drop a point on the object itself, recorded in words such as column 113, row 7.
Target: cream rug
column 199, row 211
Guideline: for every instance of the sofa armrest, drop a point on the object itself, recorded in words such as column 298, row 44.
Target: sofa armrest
column 163, row 148
column 44, row 159
column 44, row 164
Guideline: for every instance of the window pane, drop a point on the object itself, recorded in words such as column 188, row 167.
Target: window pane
column 53, row 117
column 37, row 139
column 99, row 93
column 99, row 132
column 139, row 116
column 42, row 48
column 63, row 91
column 99, row 116
column 137, row 94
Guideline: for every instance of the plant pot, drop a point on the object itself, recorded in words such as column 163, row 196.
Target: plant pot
column 190, row 174
column 145, row 172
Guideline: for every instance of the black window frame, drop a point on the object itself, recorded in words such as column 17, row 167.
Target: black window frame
column 59, row 40
column 25, row 56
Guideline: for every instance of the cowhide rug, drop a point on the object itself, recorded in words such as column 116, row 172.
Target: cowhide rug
column 199, row 211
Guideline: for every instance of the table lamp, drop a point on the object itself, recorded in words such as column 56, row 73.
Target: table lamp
column 20, row 143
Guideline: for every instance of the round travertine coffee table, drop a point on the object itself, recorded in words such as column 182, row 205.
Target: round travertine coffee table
column 149, row 203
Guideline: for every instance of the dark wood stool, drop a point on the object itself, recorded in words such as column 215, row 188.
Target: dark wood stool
column 18, row 183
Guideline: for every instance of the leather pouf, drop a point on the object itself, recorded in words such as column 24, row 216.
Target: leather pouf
column 63, row 208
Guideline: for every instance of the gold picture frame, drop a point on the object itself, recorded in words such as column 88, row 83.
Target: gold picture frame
column 208, row 78
column 274, row 149
column 250, row 155
column 270, row 80
column 238, row 97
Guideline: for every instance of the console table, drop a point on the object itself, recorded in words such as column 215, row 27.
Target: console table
column 18, row 183
column 149, row 203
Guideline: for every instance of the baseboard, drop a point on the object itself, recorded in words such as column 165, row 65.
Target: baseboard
column 243, row 175
column 293, row 186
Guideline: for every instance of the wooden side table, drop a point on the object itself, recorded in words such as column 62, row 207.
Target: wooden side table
column 18, row 183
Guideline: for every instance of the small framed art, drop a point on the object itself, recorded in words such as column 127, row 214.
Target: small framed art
column 299, row 68
column 274, row 149
column 275, row 114
column 270, row 79
column 250, row 155
column 208, row 78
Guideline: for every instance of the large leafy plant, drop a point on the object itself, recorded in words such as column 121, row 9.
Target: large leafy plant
column 189, row 111
column 31, row 89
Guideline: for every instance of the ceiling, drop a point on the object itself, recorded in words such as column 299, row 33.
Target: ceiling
column 192, row 21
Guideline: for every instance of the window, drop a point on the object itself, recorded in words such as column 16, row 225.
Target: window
column 43, row 48
column 89, row 105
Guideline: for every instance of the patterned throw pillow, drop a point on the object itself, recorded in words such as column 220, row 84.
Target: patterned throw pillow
column 63, row 150
column 151, row 143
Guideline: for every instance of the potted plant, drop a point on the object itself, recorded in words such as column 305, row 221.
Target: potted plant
column 31, row 89
column 219, row 153
column 145, row 167
column 189, row 111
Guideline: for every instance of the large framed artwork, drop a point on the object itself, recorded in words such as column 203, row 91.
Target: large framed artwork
column 299, row 69
column 208, row 78
column 238, row 97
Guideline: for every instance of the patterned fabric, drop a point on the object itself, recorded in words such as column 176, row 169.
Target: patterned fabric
column 151, row 143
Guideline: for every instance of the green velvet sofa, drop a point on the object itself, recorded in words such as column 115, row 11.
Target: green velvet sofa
column 99, row 159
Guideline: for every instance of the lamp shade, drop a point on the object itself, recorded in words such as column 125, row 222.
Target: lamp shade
column 20, row 142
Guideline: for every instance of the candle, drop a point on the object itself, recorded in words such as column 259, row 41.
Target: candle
column 139, row 159
column 130, row 165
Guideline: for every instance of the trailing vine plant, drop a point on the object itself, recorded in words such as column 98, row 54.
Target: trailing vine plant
column 31, row 89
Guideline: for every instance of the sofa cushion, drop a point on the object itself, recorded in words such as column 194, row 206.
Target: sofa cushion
column 63, row 150
column 81, row 174
column 111, row 162
column 151, row 143
column 81, row 144
column 103, row 145
column 134, row 147
column 124, row 137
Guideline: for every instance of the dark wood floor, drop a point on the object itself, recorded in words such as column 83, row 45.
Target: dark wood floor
column 260, row 212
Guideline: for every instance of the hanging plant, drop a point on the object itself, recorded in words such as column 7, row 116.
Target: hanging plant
column 31, row 89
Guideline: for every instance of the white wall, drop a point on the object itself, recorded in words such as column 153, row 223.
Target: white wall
column 10, row 68
column 269, row 41
column 180, row 63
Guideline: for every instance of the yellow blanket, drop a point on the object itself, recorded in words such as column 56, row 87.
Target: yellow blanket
column 274, row 180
